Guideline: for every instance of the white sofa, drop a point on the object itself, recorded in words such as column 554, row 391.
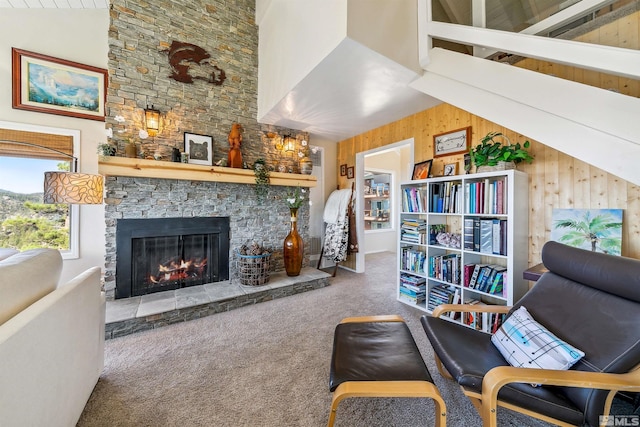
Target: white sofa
column 51, row 339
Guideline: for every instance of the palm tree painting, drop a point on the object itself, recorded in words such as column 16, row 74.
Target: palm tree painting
column 597, row 230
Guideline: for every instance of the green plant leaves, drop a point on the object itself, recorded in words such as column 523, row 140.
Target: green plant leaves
column 489, row 152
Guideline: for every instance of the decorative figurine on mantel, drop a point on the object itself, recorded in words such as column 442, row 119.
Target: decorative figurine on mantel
column 235, row 140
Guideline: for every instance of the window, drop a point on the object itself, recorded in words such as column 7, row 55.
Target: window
column 25, row 222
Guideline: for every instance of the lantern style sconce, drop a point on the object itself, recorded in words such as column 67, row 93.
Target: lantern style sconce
column 152, row 120
column 289, row 144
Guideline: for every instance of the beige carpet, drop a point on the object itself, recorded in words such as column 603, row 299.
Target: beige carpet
column 265, row 365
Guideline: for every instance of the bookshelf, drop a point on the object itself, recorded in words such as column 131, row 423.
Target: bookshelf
column 377, row 201
column 464, row 239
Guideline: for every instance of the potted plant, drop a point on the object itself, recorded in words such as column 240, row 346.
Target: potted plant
column 492, row 154
column 262, row 177
column 106, row 149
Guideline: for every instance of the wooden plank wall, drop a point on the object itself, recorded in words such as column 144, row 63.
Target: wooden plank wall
column 556, row 180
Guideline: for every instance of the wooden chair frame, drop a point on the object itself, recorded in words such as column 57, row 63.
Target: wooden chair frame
column 487, row 402
column 387, row 388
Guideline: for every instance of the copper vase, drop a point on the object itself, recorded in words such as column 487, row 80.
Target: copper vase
column 293, row 247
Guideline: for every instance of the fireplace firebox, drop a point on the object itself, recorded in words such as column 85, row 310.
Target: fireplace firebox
column 160, row 254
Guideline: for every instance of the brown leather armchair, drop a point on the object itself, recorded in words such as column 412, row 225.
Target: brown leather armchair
column 588, row 299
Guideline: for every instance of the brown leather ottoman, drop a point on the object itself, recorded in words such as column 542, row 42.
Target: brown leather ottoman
column 376, row 356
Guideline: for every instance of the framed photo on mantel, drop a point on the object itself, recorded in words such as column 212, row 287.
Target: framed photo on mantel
column 199, row 148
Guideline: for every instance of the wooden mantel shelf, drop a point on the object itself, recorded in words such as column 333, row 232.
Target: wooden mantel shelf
column 124, row 166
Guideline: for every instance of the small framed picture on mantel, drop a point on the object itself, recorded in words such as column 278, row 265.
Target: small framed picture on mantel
column 199, row 148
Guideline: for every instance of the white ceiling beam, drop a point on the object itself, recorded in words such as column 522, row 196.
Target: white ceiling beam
column 20, row 4
column 590, row 124
column 606, row 59
column 479, row 20
column 566, row 16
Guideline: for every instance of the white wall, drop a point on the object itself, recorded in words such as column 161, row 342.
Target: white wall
column 398, row 41
column 78, row 35
column 294, row 37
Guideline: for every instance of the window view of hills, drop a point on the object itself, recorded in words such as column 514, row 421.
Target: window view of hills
column 27, row 223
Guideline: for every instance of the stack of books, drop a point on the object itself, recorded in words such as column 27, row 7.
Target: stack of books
column 442, row 294
column 413, row 230
column 413, row 289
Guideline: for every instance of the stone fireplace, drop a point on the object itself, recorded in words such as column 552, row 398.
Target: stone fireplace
column 265, row 221
column 159, row 254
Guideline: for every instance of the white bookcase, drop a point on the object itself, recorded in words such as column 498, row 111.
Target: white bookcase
column 489, row 214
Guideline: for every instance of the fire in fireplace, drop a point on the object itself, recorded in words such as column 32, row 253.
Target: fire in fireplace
column 161, row 254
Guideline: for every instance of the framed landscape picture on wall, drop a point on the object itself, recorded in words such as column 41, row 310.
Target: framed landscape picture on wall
column 51, row 85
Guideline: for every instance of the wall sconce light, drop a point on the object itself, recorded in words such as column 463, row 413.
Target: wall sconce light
column 152, row 120
column 289, row 144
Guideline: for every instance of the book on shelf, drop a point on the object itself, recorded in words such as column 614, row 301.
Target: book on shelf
column 445, row 268
column 468, row 234
column 440, row 294
column 486, row 196
column 476, row 234
column 467, row 273
column 412, row 260
column 484, row 273
column 474, row 275
column 496, row 272
column 489, row 235
column 497, row 283
column 446, row 197
column 455, row 300
column 471, row 318
column 413, row 200
column 496, row 237
column 414, row 280
column 486, row 236
column 416, row 296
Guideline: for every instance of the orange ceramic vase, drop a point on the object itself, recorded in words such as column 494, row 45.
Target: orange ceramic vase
column 293, row 247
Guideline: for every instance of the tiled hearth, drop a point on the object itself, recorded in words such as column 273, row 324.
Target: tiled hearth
column 129, row 315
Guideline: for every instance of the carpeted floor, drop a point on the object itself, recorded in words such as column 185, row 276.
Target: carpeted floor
column 265, row 365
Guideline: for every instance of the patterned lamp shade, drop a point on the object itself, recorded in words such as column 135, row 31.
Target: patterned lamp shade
column 72, row 187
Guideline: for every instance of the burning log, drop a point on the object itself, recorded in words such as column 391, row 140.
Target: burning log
column 176, row 270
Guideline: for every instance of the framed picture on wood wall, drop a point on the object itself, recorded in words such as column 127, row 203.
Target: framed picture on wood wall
column 350, row 172
column 51, row 85
column 343, row 170
column 422, row 170
column 453, row 142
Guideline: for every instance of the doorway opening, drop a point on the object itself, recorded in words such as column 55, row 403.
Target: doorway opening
column 385, row 167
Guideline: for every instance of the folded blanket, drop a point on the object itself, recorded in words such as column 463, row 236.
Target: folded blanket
column 335, row 210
